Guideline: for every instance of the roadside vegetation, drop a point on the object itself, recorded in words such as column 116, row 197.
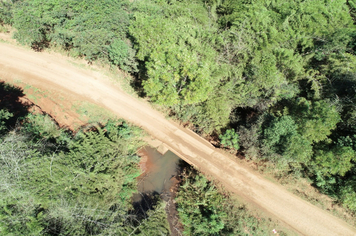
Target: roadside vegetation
column 55, row 182
column 274, row 79
column 206, row 210
column 58, row 182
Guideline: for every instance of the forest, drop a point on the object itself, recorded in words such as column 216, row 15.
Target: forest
column 272, row 80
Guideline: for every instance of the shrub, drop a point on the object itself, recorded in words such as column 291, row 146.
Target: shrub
column 4, row 116
column 230, row 139
column 122, row 55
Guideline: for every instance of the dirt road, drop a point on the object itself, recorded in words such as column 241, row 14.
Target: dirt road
column 48, row 71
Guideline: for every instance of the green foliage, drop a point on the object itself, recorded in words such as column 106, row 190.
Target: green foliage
column 17, row 206
column 188, row 85
column 284, row 38
column 315, row 119
column 336, row 161
column 280, row 128
column 41, row 127
column 4, row 116
column 216, row 111
column 281, row 136
column 199, row 207
column 83, row 188
column 6, row 12
column 209, row 116
column 86, row 27
column 249, row 140
column 179, row 67
column 347, row 141
column 348, row 193
column 230, row 139
column 203, row 210
column 27, row 20
column 122, row 55
column 156, row 223
column 299, row 149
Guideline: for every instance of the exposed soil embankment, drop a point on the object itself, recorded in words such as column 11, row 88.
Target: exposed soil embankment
column 54, row 73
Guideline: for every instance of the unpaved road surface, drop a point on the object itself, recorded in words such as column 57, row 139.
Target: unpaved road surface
column 49, row 71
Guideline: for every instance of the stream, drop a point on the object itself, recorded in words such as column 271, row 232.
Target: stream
column 158, row 180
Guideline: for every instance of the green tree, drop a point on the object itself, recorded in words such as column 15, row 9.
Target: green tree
column 122, row 55
column 282, row 137
column 6, row 12
column 203, row 216
column 348, row 193
column 230, row 139
column 315, row 119
column 179, row 66
column 335, row 161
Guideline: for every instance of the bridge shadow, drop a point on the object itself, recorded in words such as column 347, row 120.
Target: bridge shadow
column 143, row 202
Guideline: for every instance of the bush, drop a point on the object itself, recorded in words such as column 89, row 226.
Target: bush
column 122, row 55
column 199, row 207
column 204, row 210
column 230, row 139
column 4, row 116
column 41, row 127
column 5, row 12
column 348, row 194
column 249, row 140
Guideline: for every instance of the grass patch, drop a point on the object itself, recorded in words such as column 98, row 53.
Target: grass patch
column 33, row 93
column 92, row 112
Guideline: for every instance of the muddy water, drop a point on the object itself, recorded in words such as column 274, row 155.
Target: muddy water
column 158, row 176
column 159, row 171
column 158, row 180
